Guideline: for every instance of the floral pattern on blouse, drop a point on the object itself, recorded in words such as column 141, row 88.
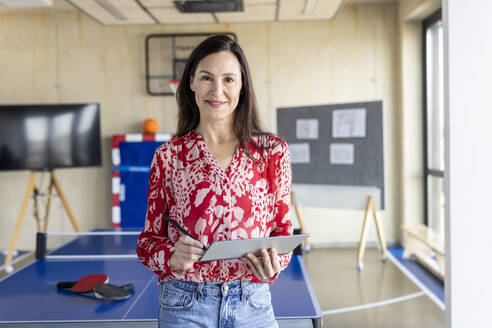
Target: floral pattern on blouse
column 251, row 199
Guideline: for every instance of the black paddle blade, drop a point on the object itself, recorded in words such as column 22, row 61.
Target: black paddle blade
column 65, row 284
column 112, row 292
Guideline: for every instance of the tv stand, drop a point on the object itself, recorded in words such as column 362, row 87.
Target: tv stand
column 32, row 191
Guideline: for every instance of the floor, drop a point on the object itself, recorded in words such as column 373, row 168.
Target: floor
column 340, row 286
column 19, row 259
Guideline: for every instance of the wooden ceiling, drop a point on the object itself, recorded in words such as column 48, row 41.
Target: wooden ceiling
column 145, row 12
column 135, row 12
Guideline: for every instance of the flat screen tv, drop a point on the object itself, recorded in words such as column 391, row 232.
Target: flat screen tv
column 44, row 137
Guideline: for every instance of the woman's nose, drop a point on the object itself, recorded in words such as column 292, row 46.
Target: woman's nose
column 217, row 88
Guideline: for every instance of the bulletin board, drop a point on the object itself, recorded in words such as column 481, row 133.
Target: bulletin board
column 336, row 150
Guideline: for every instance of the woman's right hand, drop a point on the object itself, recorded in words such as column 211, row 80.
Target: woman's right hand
column 187, row 251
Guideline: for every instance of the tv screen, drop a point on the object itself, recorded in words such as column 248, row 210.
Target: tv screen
column 43, row 137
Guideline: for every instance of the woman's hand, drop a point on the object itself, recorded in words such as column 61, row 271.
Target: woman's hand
column 266, row 266
column 187, row 251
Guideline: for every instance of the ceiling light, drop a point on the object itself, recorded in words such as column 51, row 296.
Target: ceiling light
column 309, row 7
column 110, row 8
column 27, row 3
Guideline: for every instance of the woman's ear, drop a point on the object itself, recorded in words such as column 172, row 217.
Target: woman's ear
column 191, row 83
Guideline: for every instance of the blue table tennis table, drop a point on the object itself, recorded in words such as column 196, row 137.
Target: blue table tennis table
column 29, row 297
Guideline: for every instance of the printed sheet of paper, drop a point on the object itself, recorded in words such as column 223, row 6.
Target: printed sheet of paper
column 342, row 153
column 299, row 153
column 349, row 123
column 307, row 128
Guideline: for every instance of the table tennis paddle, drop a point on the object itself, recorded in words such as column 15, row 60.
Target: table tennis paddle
column 112, row 292
column 85, row 284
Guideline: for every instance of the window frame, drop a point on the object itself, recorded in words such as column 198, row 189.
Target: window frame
column 428, row 22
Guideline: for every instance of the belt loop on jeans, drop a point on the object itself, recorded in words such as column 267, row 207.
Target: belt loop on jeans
column 244, row 292
column 199, row 291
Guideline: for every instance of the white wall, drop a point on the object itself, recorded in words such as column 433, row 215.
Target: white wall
column 468, row 105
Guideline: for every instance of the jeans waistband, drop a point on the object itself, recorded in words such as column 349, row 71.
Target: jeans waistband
column 237, row 287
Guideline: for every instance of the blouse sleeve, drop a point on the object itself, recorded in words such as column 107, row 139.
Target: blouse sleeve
column 154, row 248
column 282, row 225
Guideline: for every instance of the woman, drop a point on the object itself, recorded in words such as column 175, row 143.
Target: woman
column 219, row 178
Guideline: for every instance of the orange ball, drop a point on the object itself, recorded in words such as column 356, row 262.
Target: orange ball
column 150, row 125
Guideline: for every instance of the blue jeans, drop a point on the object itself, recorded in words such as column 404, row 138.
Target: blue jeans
column 210, row 304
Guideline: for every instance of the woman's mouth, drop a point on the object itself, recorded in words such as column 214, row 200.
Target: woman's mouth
column 215, row 103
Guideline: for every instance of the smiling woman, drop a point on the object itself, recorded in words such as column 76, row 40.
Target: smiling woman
column 217, row 86
column 220, row 178
column 245, row 122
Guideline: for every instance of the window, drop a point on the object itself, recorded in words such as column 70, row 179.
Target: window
column 433, row 123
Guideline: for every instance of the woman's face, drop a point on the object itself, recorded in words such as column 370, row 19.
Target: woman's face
column 217, row 86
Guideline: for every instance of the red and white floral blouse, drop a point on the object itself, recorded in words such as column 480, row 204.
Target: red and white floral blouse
column 249, row 200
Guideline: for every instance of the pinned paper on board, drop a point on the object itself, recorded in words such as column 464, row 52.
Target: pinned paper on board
column 349, row 123
column 307, row 128
column 299, row 153
column 342, row 153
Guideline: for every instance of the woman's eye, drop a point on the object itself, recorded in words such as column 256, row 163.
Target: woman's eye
column 206, row 78
column 229, row 79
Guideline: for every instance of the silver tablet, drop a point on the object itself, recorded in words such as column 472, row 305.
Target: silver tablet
column 231, row 249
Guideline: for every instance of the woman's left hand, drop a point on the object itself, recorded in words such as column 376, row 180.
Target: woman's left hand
column 266, row 266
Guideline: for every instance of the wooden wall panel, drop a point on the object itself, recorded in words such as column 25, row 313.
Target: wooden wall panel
column 68, row 57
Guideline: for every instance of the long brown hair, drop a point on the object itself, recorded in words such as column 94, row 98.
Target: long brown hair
column 246, row 122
